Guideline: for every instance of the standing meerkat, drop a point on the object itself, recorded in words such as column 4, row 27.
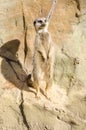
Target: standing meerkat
column 43, row 59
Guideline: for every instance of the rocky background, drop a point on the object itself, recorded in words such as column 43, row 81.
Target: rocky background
column 19, row 109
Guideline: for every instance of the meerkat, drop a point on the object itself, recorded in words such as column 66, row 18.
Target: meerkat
column 43, row 59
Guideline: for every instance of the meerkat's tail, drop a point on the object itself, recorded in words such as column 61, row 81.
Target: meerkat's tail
column 30, row 83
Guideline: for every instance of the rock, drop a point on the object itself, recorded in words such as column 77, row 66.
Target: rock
column 19, row 109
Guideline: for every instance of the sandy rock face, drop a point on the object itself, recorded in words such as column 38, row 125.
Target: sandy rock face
column 19, row 109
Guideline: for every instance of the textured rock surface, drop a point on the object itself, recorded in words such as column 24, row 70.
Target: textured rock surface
column 20, row 110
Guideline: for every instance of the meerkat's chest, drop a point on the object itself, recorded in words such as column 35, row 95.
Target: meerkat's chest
column 44, row 41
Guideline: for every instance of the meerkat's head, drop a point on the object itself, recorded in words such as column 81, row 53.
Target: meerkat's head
column 41, row 24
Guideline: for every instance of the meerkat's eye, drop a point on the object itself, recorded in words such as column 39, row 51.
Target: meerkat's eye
column 34, row 22
column 40, row 21
column 45, row 20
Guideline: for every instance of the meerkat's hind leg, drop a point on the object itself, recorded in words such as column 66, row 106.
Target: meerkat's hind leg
column 37, row 92
column 33, row 84
column 48, row 86
column 37, row 88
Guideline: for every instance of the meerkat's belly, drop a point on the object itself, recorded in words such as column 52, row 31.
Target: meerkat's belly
column 41, row 57
column 40, row 66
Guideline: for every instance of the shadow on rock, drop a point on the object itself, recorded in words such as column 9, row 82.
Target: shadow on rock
column 11, row 67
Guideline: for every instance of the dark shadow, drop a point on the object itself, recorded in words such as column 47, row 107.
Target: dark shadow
column 11, row 67
column 9, row 49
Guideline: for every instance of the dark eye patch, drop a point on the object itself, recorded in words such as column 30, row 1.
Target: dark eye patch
column 34, row 22
column 40, row 21
column 45, row 20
